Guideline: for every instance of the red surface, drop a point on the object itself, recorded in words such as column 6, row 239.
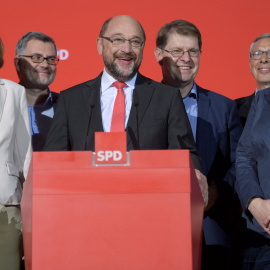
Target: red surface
column 228, row 29
column 134, row 217
column 110, row 143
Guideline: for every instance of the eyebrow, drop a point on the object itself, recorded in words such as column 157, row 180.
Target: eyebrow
column 121, row 34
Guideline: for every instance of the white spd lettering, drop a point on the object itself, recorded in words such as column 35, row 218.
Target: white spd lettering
column 63, row 54
column 107, row 155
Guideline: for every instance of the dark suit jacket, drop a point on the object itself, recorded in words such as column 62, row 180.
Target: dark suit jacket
column 218, row 131
column 253, row 158
column 163, row 122
column 43, row 122
column 243, row 106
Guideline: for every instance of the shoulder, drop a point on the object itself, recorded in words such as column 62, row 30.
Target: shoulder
column 88, row 84
column 217, row 98
column 11, row 86
column 156, row 85
column 243, row 100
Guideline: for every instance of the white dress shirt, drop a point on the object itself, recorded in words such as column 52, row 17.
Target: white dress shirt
column 108, row 93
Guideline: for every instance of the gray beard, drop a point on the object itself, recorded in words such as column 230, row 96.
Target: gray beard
column 118, row 74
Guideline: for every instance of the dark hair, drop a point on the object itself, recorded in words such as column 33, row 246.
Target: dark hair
column 105, row 26
column 180, row 27
column 21, row 46
column 1, row 53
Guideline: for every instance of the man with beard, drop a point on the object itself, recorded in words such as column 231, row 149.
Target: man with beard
column 35, row 62
column 90, row 106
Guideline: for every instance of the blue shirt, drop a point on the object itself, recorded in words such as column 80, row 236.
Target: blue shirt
column 191, row 105
column 107, row 97
column 40, row 121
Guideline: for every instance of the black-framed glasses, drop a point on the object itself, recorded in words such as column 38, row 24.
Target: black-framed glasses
column 120, row 41
column 37, row 58
column 257, row 55
column 180, row 53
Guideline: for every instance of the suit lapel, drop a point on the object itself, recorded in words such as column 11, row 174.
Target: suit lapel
column 203, row 132
column 203, row 109
column 144, row 91
column 91, row 95
column 3, row 95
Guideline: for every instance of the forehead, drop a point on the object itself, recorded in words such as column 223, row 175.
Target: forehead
column 38, row 46
column 124, row 25
column 179, row 41
column 263, row 43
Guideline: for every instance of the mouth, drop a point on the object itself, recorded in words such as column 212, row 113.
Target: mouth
column 184, row 67
column 264, row 69
column 125, row 61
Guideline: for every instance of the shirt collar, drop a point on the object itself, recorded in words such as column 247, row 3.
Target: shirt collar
column 107, row 80
column 193, row 92
column 48, row 101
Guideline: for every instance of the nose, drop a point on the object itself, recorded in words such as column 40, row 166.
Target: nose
column 126, row 47
column 185, row 57
column 264, row 58
column 44, row 64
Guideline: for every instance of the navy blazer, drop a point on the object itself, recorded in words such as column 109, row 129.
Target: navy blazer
column 218, row 131
column 253, row 158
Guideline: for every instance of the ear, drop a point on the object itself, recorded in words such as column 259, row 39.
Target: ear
column 17, row 63
column 159, row 55
column 99, row 46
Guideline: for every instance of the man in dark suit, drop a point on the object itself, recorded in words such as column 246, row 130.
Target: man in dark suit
column 150, row 106
column 35, row 62
column 252, row 164
column 216, row 128
column 244, row 103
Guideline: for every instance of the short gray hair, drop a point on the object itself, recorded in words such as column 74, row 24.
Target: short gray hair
column 21, row 46
column 266, row 35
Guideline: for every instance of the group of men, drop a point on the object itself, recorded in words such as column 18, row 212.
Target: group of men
column 174, row 114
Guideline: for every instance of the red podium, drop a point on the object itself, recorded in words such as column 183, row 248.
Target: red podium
column 143, row 216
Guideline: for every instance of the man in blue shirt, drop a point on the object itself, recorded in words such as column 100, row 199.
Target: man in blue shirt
column 216, row 129
column 35, row 62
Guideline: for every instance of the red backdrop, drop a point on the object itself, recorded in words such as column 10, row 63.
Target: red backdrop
column 228, row 28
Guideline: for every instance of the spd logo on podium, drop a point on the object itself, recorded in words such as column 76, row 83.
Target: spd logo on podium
column 110, row 148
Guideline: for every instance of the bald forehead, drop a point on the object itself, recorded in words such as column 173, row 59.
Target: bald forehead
column 124, row 25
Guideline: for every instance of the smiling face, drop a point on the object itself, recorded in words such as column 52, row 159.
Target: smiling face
column 36, row 75
column 181, row 71
column 260, row 69
column 122, row 62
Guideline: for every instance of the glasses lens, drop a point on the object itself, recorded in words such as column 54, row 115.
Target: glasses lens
column 136, row 43
column 37, row 58
column 117, row 41
column 256, row 55
column 52, row 61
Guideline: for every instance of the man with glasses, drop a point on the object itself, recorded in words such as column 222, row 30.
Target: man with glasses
column 252, row 163
column 35, row 62
column 259, row 63
column 216, row 129
column 121, row 93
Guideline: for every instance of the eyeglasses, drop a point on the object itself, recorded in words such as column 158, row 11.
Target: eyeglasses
column 119, row 41
column 36, row 58
column 180, row 53
column 257, row 55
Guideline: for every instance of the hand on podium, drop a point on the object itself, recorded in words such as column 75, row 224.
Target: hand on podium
column 203, row 186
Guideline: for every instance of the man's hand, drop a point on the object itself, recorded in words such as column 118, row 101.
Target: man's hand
column 260, row 209
column 203, row 186
column 212, row 196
